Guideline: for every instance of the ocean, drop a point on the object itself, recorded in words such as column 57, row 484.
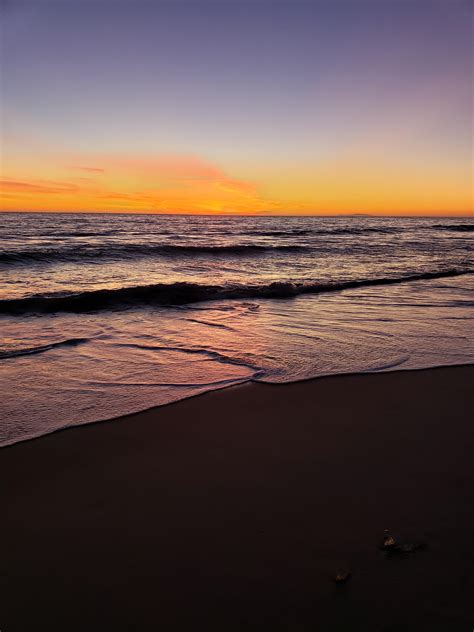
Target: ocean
column 107, row 314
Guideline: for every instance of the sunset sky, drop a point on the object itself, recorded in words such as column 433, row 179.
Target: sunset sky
column 268, row 107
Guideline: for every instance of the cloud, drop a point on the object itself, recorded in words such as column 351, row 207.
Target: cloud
column 111, row 195
column 91, row 169
column 16, row 186
column 174, row 166
column 155, row 183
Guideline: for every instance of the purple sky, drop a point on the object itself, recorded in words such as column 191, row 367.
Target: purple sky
column 258, row 88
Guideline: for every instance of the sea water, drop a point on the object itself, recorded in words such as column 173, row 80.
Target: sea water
column 106, row 314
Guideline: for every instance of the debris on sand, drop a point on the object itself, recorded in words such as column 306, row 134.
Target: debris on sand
column 394, row 544
column 342, row 576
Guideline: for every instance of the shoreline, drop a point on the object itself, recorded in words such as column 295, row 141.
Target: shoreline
column 251, row 380
column 234, row 510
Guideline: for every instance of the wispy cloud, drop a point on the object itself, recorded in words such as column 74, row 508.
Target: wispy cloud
column 158, row 183
column 16, row 186
column 91, row 169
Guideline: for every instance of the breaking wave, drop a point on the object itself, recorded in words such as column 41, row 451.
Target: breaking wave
column 163, row 294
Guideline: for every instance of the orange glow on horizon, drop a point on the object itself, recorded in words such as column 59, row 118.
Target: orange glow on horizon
column 188, row 184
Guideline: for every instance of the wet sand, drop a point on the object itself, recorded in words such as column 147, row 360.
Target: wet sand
column 234, row 510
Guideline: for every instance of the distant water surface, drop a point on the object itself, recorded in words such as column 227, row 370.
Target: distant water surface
column 102, row 315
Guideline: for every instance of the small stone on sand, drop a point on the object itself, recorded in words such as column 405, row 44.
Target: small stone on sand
column 342, row 576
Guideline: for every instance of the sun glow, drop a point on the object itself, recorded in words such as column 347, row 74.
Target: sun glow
column 189, row 184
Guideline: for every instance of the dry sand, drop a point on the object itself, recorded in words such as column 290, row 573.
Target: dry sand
column 234, row 510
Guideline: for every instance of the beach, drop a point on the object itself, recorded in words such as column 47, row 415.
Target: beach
column 237, row 508
column 236, row 316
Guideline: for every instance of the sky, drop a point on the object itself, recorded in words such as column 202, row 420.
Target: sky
column 237, row 107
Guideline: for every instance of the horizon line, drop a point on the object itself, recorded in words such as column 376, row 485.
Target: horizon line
column 469, row 214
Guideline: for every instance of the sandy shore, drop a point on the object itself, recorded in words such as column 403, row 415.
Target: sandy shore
column 233, row 511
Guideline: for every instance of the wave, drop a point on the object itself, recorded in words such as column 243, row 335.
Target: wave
column 5, row 354
column 162, row 294
column 278, row 233
column 84, row 233
column 80, row 253
column 231, row 249
column 383, row 230
column 209, row 353
column 461, row 228
column 50, row 255
column 361, row 230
